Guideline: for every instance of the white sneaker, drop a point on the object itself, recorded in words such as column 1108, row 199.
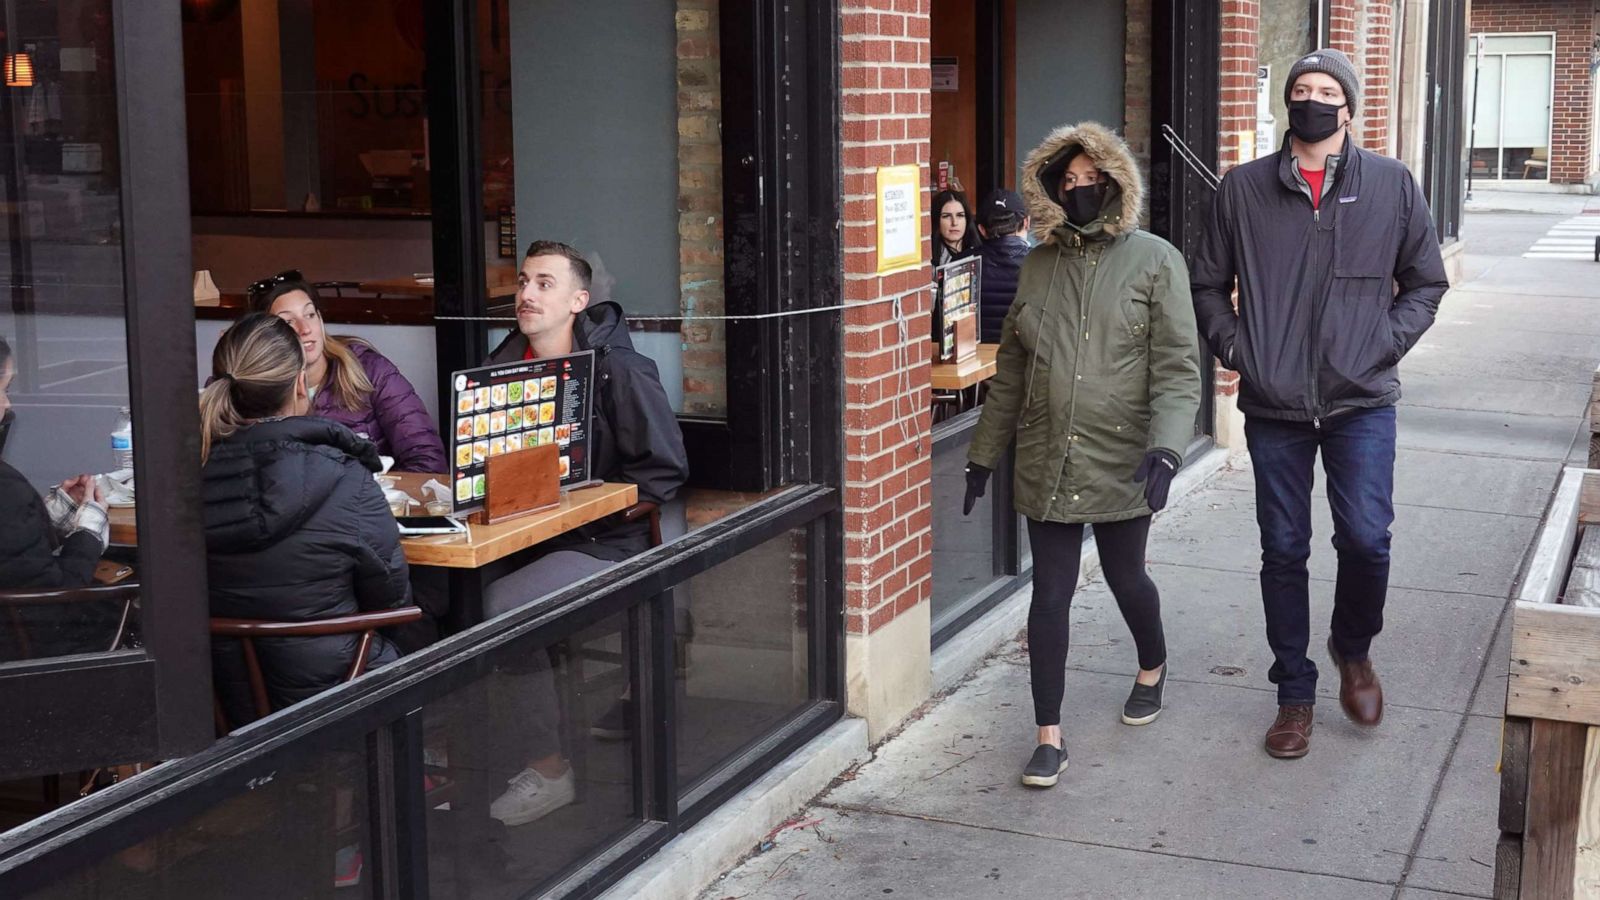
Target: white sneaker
column 532, row 796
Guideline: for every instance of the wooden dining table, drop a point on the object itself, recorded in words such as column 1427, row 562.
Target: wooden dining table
column 477, row 557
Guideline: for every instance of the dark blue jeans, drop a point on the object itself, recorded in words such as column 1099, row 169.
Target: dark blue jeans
column 1358, row 458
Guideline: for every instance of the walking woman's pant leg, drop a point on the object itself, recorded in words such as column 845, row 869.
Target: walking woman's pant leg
column 1122, row 547
column 1056, row 548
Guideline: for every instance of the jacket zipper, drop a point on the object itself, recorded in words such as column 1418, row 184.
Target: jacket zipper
column 1316, row 316
column 1086, row 303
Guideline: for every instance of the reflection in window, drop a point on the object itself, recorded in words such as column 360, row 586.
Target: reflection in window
column 528, row 770
column 963, row 545
column 66, row 443
column 306, row 106
column 741, row 652
column 301, row 832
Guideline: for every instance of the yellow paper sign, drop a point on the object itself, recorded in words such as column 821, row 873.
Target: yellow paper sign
column 899, row 218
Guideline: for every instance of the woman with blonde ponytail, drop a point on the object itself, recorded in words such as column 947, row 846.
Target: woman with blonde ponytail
column 352, row 383
column 296, row 528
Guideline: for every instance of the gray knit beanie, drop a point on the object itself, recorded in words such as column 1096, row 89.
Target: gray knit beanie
column 1330, row 62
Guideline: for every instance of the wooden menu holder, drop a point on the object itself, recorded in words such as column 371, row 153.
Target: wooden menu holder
column 521, row 483
column 966, row 338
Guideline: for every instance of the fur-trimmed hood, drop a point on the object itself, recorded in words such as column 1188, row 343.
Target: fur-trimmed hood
column 1123, row 207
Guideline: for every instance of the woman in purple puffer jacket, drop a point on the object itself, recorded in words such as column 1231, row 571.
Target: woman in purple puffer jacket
column 352, row 383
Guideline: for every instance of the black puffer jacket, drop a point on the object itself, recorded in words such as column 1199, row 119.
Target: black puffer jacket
column 997, row 282
column 30, row 559
column 636, row 438
column 1329, row 299
column 296, row 529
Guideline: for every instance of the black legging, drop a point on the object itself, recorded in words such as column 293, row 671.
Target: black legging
column 1056, row 548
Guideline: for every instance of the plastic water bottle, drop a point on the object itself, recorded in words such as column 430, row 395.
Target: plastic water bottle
column 122, row 439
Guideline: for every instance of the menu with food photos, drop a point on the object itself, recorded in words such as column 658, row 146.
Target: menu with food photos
column 514, row 406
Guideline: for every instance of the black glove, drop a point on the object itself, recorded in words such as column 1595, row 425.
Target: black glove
column 1156, row 472
column 977, row 480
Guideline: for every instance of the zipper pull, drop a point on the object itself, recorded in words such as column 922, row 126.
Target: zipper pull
column 1316, row 423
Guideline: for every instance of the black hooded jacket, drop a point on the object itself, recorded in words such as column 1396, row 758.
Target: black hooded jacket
column 1329, row 299
column 636, row 438
column 997, row 282
column 296, row 529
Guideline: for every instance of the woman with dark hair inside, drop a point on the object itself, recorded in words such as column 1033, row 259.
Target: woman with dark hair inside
column 351, row 382
column 955, row 234
column 49, row 543
column 296, row 527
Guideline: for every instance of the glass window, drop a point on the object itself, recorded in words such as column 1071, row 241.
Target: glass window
column 530, row 770
column 306, row 106
column 623, row 159
column 963, row 545
column 302, row 832
column 66, row 446
column 1511, row 135
column 1519, row 43
column 1286, row 35
column 742, row 652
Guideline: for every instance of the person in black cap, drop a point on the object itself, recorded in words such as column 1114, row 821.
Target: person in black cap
column 1333, row 252
column 1002, row 221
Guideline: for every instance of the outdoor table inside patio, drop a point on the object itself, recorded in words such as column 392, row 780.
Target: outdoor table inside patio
column 486, row 552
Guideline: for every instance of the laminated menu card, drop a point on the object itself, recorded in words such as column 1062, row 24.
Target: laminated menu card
column 514, row 406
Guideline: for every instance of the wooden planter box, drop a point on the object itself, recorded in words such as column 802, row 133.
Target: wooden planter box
column 1550, row 759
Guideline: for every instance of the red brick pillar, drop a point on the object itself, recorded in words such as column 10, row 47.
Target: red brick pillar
column 1573, row 105
column 1377, row 76
column 888, row 476
column 1342, row 27
column 1236, row 122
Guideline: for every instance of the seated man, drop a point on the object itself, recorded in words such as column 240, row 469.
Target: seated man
column 635, row 439
column 1002, row 220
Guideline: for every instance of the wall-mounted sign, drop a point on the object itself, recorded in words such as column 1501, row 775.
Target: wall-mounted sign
column 899, row 218
column 946, row 73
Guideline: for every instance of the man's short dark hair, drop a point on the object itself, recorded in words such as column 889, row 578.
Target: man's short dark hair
column 581, row 269
column 1003, row 224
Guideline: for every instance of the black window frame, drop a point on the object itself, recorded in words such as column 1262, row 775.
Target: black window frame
column 153, row 702
column 802, row 404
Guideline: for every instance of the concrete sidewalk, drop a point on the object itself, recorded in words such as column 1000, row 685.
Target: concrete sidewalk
column 1191, row 806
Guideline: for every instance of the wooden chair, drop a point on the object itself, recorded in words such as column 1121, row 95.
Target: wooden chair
column 1539, row 159
column 247, row 631
column 12, row 603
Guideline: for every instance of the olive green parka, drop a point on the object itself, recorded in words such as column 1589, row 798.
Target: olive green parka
column 1099, row 360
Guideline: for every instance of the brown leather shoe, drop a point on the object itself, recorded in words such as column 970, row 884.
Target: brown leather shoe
column 1290, row 734
column 1360, row 692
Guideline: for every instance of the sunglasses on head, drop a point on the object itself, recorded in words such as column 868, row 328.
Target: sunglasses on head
column 260, row 288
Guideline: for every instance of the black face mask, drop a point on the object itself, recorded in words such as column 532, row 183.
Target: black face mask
column 1312, row 121
column 1083, row 204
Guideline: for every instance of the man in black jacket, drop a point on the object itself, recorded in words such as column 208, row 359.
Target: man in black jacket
column 1002, row 220
column 635, row 439
column 1337, row 266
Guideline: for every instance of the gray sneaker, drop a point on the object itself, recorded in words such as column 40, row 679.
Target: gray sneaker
column 1144, row 701
column 1046, row 766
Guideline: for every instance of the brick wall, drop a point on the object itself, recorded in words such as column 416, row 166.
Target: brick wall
column 1572, row 21
column 888, row 475
column 1342, row 23
column 1236, row 119
column 1376, row 65
column 700, row 284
